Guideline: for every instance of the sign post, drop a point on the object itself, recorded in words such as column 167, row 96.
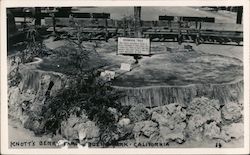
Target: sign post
column 135, row 47
column 129, row 46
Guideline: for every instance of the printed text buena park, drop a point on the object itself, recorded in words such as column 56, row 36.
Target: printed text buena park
column 21, row 144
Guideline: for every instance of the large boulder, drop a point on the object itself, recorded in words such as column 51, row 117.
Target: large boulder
column 67, row 128
column 138, row 113
column 88, row 132
column 208, row 109
column 19, row 105
column 234, row 130
column 231, row 112
column 123, row 122
column 115, row 113
column 176, row 134
column 26, row 100
column 212, row 131
column 32, row 122
column 14, row 105
column 171, row 122
column 195, row 127
column 169, row 115
column 225, row 133
column 109, row 137
column 202, row 110
column 125, row 132
column 145, row 131
column 115, row 133
column 78, row 128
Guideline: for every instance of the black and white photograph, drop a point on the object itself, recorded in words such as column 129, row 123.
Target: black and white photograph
column 113, row 77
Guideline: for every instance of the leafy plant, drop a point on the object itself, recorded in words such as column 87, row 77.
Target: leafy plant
column 34, row 46
column 87, row 93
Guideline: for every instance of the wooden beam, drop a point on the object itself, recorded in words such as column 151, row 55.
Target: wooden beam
column 137, row 18
column 239, row 15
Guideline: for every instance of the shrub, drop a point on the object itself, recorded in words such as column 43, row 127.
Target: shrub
column 87, row 93
column 34, row 46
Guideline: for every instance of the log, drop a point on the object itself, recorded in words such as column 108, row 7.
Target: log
column 161, row 95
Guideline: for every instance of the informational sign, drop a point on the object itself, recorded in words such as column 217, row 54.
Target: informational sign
column 140, row 46
column 125, row 67
column 108, row 75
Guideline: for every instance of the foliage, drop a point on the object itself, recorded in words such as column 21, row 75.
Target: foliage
column 14, row 77
column 34, row 46
column 86, row 93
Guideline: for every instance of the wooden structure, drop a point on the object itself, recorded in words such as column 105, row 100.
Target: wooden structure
column 186, row 29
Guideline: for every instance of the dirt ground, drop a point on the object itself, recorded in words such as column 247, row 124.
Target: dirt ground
column 214, row 64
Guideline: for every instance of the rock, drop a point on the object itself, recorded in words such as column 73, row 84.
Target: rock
column 170, row 118
column 14, row 104
column 109, row 137
column 224, row 136
column 196, row 121
column 62, row 142
column 32, row 122
column 160, row 118
column 125, row 132
column 231, row 112
column 146, row 127
column 115, row 113
column 202, row 110
column 145, row 130
column 124, row 122
column 226, row 133
column 212, row 131
column 169, row 115
column 125, row 110
column 76, row 128
column 68, row 131
column 177, row 134
column 234, row 95
column 208, row 109
column 26, row 100
column 138, row 113
column 195, row 134
column 84, row 116
column 234, row 130
column 88, row 132
column 72, row 121
column 195, row 127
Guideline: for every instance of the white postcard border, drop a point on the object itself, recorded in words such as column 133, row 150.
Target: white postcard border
column 32, row 3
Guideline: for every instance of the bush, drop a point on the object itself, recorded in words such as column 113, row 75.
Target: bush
column 87, row 93
column 34, row 46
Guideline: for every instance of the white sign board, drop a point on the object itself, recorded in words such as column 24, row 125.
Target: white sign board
column 133, row 46
column 108, row 74
column 125, row 67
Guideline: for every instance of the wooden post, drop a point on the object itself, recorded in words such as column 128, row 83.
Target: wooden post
column 37, row 15
column 11, row 24
column 124, row 27
column 106, row 30
column 179, row 31
column 239, row 15
column 197, row 40
column 54, row 23
column 137, row 19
